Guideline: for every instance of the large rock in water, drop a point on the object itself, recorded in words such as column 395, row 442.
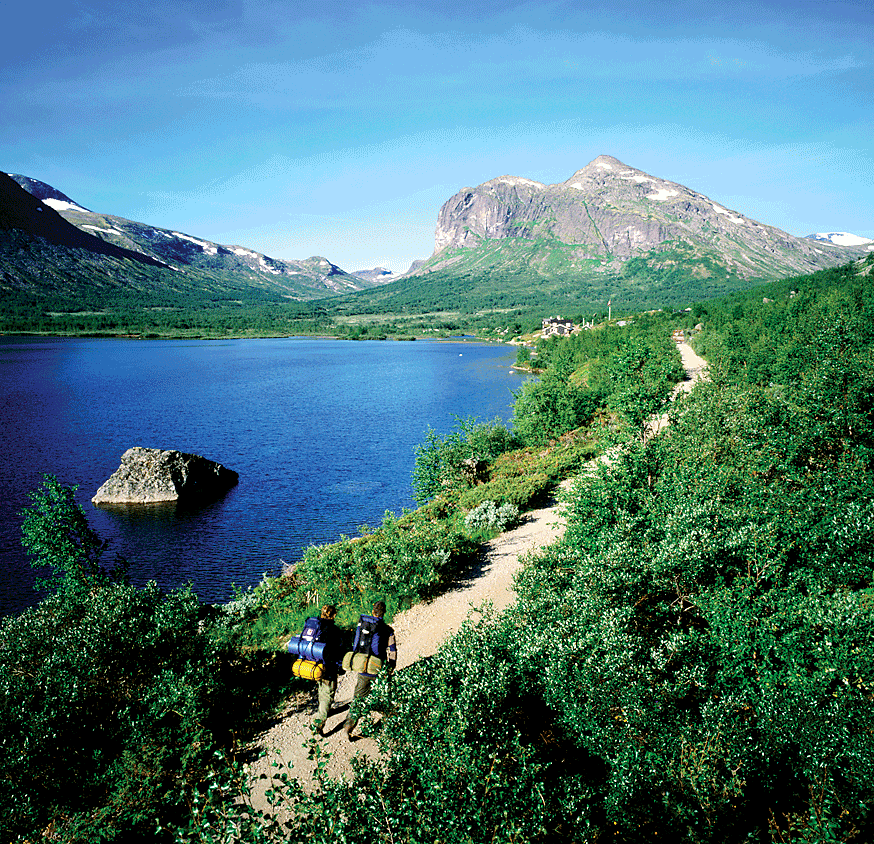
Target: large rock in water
column 150, row 476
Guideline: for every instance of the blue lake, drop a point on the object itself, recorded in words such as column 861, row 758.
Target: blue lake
column 321, row 431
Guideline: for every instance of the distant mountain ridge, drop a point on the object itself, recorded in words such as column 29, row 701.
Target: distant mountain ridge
column 608, row 233
column 380, row 274
column 187, row 259
column 24, row 216
column 608, row 214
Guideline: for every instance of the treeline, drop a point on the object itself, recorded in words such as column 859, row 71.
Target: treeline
column 168, row 313
column 764, row 335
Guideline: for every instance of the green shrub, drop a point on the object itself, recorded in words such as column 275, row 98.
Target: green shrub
column 407, row 555
column 549, row 407
column 521, row 492
column 489, row 518
column 111, row 697
column 106, row 700
column 439, row 460
column 406, row 559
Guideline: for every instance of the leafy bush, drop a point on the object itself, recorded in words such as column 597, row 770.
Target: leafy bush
column 105, row 703
column 642, row 376
column 57, row 536
column 547, row 408
column 521, row 491
column 488, row 518
column 527, row 476
column 407, row 555
column 111, row 697
column 705, row 609
column 439, row 459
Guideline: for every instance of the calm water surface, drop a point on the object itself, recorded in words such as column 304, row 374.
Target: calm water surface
column 321, row 432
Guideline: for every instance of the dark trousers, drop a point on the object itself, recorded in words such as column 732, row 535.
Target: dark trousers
column 327, row 690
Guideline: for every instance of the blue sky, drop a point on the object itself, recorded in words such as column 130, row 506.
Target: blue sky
column 339, row 129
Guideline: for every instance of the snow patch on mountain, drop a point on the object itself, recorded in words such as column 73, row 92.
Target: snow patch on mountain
column 267, row 267
column 662, row 194
column 840, row 238
column 60, row 205
column 516, row 180
column 209, row 248
column 631, row 176
column 98, row 229
column 733, row 217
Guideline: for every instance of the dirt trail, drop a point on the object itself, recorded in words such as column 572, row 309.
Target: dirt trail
column 419, row 632
column 696, row 370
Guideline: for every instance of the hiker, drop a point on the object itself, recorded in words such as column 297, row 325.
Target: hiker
column 331, row 635
column 373, row 638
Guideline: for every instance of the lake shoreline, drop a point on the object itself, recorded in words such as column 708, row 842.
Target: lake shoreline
column 323, row 436
column 100, row 335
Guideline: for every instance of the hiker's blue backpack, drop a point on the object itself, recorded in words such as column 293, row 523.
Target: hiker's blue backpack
column 361, row 658
column 308, row 644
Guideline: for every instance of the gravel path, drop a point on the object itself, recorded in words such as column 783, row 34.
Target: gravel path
column 419, row 632
column 696, row 370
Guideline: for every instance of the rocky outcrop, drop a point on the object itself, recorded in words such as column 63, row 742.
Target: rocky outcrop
column 151, row 476
column 608, row 213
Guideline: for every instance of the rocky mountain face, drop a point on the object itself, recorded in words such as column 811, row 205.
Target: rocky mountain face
column 186, row 260
column 604, row 216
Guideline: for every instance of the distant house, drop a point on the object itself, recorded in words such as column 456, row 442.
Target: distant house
column 557, row 327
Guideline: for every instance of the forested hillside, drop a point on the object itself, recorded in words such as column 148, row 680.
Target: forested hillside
column 693, row 662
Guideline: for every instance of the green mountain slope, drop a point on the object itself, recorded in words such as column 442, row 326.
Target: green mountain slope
column 41, row 225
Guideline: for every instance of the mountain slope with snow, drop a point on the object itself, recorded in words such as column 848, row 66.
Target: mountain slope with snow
column 840, row 238
column 194, row 261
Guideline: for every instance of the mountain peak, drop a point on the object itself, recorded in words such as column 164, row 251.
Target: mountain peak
column 47, row 194
column 608, row 213
column 606, row 167
column 606, row 162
